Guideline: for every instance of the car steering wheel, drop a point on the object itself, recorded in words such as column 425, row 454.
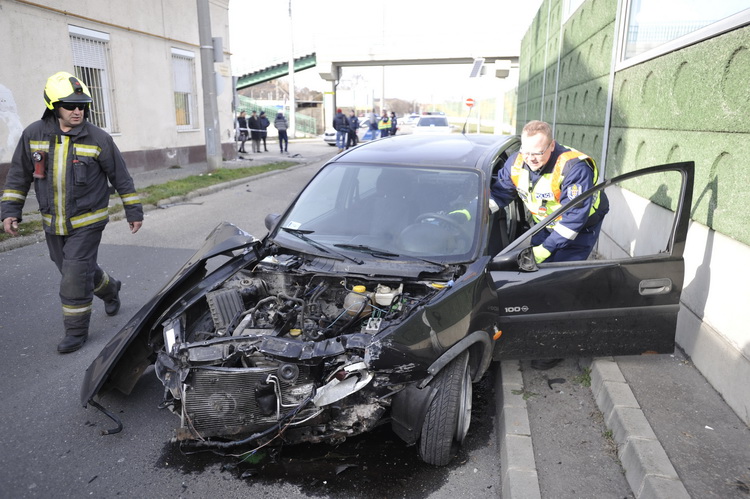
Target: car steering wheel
column 443, row 218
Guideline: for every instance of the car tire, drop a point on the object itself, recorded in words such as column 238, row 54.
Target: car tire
column 448, row 418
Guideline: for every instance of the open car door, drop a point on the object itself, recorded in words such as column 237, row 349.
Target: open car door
column 624, row 299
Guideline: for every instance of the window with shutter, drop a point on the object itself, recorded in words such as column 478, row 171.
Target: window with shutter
column 185, row 94
column 92, row 64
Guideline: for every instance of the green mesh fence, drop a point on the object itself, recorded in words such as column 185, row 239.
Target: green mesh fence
column 303, row 123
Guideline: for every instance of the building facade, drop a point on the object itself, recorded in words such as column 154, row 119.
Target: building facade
column 636, row 83
column 141, row 60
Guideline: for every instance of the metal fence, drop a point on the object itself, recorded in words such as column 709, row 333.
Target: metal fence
column 304, row 123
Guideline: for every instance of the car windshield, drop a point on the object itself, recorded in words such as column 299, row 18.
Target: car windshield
column 410, row 212
column 433, row 121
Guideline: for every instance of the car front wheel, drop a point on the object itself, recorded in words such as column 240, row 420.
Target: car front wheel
column 447, row 420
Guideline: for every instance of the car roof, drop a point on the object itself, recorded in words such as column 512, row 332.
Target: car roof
column 454, row 150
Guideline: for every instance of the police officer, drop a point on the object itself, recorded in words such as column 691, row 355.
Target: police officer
column 70, row 161
column 353, row 129
column 384, row 125
column 547, row 175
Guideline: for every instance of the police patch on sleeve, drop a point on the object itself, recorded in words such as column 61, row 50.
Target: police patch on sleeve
column 573, row 191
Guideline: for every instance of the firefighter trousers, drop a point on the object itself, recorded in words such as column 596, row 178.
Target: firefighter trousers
column 75, row 256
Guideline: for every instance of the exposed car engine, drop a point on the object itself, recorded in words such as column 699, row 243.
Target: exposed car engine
column 273, row 342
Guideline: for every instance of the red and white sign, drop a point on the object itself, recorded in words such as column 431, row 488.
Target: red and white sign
column 469, row 102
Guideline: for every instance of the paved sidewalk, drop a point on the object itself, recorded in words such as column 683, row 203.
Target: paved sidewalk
column 676, row 437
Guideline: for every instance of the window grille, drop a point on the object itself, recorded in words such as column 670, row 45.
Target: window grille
column 185, row 94
column 93, row 65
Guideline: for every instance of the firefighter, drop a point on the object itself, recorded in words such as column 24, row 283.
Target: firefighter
column 70, row 162
column 547, row 175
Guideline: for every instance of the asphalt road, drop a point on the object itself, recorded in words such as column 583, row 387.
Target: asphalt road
column 52, row 447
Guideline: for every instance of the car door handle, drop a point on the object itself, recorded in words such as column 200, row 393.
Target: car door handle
column 655, row 286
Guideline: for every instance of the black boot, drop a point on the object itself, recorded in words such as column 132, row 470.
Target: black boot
column 71, row 343
column 112, row 305
column 76, row 331
column 108, row 289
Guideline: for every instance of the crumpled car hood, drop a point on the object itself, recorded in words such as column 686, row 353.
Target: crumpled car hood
column 133, row 338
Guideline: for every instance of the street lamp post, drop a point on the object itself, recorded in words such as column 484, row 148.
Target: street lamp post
column 292, row 100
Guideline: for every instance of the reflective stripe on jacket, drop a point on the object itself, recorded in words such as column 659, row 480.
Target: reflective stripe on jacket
column 79, row 165
column 543, row 197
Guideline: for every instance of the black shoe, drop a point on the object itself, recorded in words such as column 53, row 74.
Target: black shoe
column 113, row 306
column 71, row 343
column 544, row 364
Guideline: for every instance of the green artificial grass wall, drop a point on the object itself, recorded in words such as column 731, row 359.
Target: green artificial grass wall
column 690, row 104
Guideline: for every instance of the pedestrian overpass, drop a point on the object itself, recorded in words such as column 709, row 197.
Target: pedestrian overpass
column 331, row 70
column 498, row 66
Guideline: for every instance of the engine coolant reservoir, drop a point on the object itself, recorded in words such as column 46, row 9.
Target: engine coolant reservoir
column 358, row 298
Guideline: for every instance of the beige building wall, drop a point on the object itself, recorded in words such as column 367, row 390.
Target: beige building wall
column 142, row 33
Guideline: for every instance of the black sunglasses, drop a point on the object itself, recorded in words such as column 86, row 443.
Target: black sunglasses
column 74, row 105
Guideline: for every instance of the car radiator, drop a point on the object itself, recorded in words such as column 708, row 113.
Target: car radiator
column 225, row 402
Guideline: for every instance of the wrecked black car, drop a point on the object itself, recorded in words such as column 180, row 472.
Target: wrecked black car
column 385, row 290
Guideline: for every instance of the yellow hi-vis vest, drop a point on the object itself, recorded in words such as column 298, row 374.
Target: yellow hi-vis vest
column 384, row 123
column 544, row 197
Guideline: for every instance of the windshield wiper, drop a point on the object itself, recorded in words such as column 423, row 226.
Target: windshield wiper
column 376, row 252
column 381, row 253
column 302, row 234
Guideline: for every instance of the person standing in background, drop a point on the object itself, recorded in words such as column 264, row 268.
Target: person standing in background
column 353, row 128
column 282, row 125
column 341, row 125
column 242, row 130
column 253, row 124
column 264, row 124
column 384, row 125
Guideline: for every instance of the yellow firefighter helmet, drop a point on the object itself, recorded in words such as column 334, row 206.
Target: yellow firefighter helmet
column 64, row 87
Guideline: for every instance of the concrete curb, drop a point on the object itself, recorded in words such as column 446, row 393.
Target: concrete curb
column 518, row 477
column 648, row 470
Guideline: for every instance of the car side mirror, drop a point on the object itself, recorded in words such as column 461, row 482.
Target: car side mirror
column 526, row 260
column 271, row 220
column 523, row 260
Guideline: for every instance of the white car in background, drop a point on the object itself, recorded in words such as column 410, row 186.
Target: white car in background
column 330, row 134
column 432, row 124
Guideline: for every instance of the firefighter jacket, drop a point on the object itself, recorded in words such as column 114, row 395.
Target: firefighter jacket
column 77, row 166
column 566, row 174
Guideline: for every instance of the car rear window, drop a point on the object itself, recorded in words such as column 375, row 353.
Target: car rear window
column 433, row 122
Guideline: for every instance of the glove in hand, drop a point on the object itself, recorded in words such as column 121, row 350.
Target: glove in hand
column 541, row 253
